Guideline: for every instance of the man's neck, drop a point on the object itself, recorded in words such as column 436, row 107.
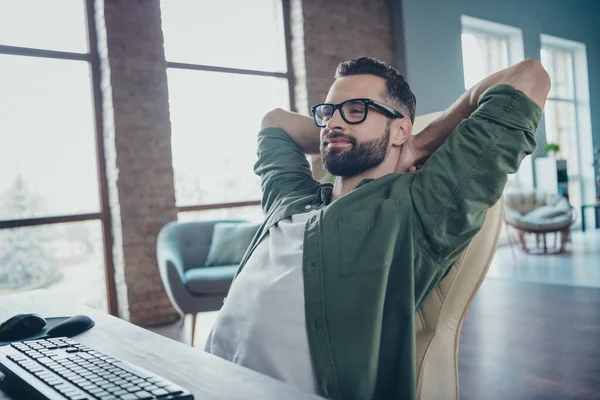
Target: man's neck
column 345, row 185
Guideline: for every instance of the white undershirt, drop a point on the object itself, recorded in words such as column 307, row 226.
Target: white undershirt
column 262, row 324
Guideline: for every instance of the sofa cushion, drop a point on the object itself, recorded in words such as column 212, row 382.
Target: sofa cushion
column 210, row 281
column 230, row 240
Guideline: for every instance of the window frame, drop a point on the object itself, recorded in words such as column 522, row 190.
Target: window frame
column 92, row 57
column 289, row 75
column 579, row 100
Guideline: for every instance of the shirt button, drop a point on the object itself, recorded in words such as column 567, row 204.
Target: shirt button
column 308, row 206
column 312, row 265
column 315, row 324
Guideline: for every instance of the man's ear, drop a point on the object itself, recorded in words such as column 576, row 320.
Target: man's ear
column 400, row 131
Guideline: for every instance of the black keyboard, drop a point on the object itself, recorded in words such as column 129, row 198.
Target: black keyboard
column 62, row 368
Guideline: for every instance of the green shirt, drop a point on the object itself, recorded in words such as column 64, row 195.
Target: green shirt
column 371, row 257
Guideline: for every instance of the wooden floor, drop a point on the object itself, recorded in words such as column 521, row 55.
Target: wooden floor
column 531, row 341
column 579, row 266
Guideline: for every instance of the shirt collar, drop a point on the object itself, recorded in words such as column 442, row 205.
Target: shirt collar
column 364, row 182
column 326, row 190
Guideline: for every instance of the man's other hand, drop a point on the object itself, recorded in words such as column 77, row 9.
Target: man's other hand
column 408, row 162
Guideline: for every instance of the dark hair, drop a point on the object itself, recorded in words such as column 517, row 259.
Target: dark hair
column 397, row 90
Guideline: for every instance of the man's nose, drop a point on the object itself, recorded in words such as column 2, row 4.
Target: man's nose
column 336, row 122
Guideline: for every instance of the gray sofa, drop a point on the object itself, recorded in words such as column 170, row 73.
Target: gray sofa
column 182, row 249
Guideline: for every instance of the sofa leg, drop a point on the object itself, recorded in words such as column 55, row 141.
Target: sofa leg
column 193, row 328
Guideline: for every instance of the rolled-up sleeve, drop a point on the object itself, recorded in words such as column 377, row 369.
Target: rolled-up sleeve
column 467, row 174
column 282, row 167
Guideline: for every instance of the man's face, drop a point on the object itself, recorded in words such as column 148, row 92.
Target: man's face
column 349, row 149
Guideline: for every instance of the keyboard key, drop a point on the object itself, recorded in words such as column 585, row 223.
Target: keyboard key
column 54, row 381
column 143, row 395
column 173, row 390
column 109, row 397
column 129, row 396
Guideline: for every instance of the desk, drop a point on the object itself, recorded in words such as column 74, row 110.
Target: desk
column 206, row 376
column 596, row 215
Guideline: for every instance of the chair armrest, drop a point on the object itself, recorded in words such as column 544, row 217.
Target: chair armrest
column 168, row 255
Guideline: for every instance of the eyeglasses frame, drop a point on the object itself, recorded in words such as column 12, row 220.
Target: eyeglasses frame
column 382, row 107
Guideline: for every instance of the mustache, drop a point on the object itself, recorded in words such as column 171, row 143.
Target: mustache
column 337, row 135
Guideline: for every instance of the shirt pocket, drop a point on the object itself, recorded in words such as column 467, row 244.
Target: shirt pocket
column 367, row 240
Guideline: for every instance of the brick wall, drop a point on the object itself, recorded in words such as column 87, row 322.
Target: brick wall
column 138, row 152
column 325, row 33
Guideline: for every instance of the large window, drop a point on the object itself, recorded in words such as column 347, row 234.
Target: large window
column 227, row 67
column 489, row 47
column 567, row 114
column 51, row 229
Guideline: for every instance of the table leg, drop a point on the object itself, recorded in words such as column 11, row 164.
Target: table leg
column 582, row 219
column 597, row 209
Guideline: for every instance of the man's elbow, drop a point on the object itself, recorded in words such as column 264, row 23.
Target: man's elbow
column 533, row 80
column 538, row 73
column 271, row 119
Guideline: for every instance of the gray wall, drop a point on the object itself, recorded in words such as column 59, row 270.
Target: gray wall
column 428, row 42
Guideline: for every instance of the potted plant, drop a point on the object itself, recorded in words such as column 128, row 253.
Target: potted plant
column 552, row 149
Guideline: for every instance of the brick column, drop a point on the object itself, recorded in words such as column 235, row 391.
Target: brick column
column 325, row 33
column 138, row 151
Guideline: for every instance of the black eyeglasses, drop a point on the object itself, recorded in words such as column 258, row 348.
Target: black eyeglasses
column 353, row 111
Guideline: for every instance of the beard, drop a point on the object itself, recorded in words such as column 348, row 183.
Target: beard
column 360, row 157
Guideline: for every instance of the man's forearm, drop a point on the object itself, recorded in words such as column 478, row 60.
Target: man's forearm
column 300, row 128
column 527, row 76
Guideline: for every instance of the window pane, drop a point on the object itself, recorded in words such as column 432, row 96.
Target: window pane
column 43, row 24
column 215, row 118
column 66, row 259
column 250, row 213
column 561, row 129
column 47, row 140
column 230, row 33
column 559, row 64
column 482, row 56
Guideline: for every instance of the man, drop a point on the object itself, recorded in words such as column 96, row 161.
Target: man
column 325, row 296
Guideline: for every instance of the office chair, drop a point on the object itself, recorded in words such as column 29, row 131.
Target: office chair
column 439, row 320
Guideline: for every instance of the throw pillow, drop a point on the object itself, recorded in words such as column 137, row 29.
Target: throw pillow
column 544, row 212
column 230, row 240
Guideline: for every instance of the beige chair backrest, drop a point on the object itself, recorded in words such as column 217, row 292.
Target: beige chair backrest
column 439, row 320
